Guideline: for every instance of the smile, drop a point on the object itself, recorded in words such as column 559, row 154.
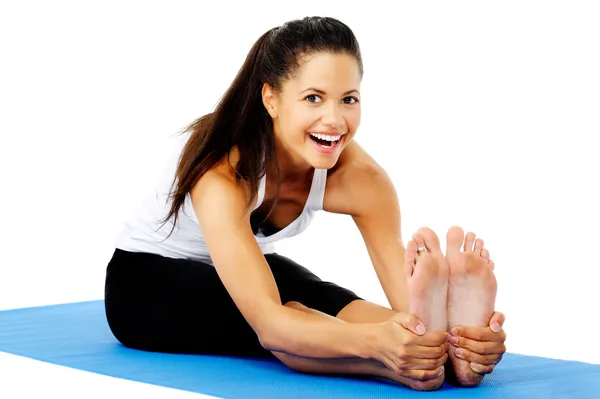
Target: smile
column 325, row 140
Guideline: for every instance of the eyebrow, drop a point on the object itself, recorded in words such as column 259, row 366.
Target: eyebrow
column 323, row 92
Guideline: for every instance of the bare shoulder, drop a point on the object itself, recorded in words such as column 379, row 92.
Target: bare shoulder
column 357, row 183
column 219, row 189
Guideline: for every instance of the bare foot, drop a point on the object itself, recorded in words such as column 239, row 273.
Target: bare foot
column 427, row 280
column 471, row 293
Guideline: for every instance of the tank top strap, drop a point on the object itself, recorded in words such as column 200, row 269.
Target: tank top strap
column 261, row 191
column 317, row 192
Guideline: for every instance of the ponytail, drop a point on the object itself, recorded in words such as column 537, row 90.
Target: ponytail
column 239, row 120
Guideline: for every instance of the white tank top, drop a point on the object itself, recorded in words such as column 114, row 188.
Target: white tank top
column 142, row 231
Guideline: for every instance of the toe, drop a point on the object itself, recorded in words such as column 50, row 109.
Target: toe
column 420, row 241
column 485, row 254
column 432, row 242
column 478, row 246
column 410, row 258
column 454, row 239
column 469, row 240
column 491, row 264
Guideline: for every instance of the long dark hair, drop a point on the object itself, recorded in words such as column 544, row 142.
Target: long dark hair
column 240, row 118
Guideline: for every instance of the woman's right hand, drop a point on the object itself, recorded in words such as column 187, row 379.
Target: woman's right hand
column 404, row 347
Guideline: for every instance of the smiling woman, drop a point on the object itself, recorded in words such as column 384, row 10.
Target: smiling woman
column 320, row 103
column 194, row 270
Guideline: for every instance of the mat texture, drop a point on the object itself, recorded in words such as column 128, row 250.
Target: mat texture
column 77, row 335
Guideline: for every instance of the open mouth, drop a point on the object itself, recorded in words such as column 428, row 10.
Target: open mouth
column 325, row 140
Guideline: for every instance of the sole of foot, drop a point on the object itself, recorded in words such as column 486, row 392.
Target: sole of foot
column 427, row 274
column 472, row 291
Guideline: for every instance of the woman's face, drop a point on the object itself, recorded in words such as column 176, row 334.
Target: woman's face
column 317, row 112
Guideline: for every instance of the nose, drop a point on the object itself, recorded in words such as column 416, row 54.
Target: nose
column 333, row 116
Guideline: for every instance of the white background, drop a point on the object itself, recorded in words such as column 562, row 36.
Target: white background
column 485, row 114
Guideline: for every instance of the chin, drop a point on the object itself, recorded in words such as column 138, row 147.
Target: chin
column 322, row 165
column 320, row 162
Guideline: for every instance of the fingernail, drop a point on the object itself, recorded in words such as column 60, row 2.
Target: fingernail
column 454, row 340
column 458, row 352
column 440, row 371
column 454, row 331
column 496, row 327
column 420, row 329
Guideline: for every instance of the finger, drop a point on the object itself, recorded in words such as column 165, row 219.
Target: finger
column 425, row 352
column 432, row 338
column 410, row 322
column 391, row 364
column 481, row 369
column 423, row 375
column 497, row 322
column 425, row 364
column 486, row 360
column 479, row 334
column 480, row 347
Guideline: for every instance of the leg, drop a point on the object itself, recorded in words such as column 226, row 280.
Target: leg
column 180, row 306
column 361, row 311
column 352, row 366
column 471, row 294
column 160, row 304
column 304, row 291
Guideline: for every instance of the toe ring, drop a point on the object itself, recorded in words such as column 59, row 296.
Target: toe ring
column 421, row 249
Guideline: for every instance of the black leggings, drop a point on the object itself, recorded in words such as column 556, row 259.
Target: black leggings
column 162, row 304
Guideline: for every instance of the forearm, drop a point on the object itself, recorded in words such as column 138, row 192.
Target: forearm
column 393, row 283
column 303, row 334
column 389, row 267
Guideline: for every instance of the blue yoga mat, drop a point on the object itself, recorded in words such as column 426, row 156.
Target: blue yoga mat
column 77, row 335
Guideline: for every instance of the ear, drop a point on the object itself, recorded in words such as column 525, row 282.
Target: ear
column 269, row 99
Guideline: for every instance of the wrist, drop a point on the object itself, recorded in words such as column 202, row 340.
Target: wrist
column 366, row 335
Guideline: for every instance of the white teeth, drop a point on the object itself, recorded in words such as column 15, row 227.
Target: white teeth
column 325, row 137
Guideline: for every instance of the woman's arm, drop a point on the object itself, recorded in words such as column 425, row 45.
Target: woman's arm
column 375, row 209
column 377, row 216
column 220, row 206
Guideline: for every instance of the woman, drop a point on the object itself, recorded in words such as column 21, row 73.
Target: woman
column 194, row 270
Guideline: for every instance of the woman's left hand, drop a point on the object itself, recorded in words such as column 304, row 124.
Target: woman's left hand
column 482, row 346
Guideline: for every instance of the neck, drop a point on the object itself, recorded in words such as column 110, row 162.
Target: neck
column 291, row 168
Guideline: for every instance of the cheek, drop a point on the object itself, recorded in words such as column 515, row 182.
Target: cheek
column 300, row 120
column 353, row 120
